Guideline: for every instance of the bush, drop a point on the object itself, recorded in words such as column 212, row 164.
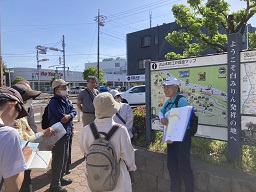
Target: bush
column 207, row 150
column 139, row 123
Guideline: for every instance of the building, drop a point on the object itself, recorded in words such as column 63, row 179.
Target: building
column 74, row 77
column 150, row 45
column 111, row 66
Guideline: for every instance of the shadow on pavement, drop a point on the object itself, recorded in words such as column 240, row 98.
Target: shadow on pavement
column 41, row 181
column 76, row 163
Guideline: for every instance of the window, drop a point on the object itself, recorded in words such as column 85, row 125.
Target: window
column 145, row 41
column 138, row 90
column 117, row 64
column 142, row 63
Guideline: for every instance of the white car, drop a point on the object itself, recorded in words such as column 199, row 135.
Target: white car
column 135, row 95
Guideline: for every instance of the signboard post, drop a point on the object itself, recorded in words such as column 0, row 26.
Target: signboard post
column 234, row 116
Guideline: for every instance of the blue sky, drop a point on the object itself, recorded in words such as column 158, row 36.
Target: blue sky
column 28, row 23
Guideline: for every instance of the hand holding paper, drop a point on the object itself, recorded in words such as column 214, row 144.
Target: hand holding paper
column 49, row 141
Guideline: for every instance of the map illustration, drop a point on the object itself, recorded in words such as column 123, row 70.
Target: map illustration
column 204, row 87
column 248, row 88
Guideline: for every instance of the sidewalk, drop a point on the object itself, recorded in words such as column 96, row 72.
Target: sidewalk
column 41, row 180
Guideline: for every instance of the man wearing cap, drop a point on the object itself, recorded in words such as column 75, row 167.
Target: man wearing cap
column 178, row 153
column 60, row 110
column 13, row 163
column 124, row 115
column 105, row 108
column 85, row 100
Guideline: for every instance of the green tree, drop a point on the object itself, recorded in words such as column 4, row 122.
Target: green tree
column 18, row 79
column 201, row 23
column 93, row 71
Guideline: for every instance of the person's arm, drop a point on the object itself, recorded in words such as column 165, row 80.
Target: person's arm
column 161, row 115
column 129, row 117
column 79, row 105
column 14, row 182
column 127, row 151
column 31, row 120
column 56, row 110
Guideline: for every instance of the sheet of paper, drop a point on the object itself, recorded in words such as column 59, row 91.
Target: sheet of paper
column 39, row 160
column 53, row 139
column 34, row 146
column 178, row 119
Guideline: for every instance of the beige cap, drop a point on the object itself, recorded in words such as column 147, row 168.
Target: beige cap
column 105, row 105
column 58, row 82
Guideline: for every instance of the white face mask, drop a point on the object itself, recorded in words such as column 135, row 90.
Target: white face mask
column 64, row 92
column 118, row 100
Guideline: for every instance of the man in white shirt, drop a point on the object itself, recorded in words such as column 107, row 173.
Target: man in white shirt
column 12, row 164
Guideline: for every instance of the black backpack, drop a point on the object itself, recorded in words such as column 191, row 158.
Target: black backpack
column 193, row 121
column 45, row 121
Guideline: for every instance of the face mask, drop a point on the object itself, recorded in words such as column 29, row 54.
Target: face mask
column 118, row 100
column 64, row 93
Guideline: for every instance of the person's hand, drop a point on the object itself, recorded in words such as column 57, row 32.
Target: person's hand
column 169, row 142
column 164, row 121
column 65, row 118
column 27, row 151
column 49, row 132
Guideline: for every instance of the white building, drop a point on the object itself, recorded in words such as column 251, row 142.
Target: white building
column 74, row 77
column 111, row 66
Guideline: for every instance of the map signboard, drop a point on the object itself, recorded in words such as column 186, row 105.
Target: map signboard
column 203, row 81
column 248, row 96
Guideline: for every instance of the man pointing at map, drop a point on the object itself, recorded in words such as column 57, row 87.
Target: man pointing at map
column 178, row 153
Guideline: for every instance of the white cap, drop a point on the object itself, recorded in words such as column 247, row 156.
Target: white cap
column 114, row 92
column 171, row 81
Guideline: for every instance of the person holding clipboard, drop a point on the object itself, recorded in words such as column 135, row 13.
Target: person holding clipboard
column 178, row 153
column 13, row 162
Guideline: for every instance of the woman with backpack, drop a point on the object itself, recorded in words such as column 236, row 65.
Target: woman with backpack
column 114, row 173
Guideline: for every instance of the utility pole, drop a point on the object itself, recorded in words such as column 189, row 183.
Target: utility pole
column 38, row 70
column 1, row 61
column 100, row 19
column 64, row 61
column 150, row 18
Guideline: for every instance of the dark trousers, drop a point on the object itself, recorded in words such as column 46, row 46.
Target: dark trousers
column 60, row 154
column 25, row 187
column 69, row 156
column 178, row 163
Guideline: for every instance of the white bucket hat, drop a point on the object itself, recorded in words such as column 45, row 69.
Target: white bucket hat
column 171, row 81
column 105, row 105
column 114, row 92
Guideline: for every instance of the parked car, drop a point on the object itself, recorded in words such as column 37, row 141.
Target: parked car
column 135, row 95
column 104, row 89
